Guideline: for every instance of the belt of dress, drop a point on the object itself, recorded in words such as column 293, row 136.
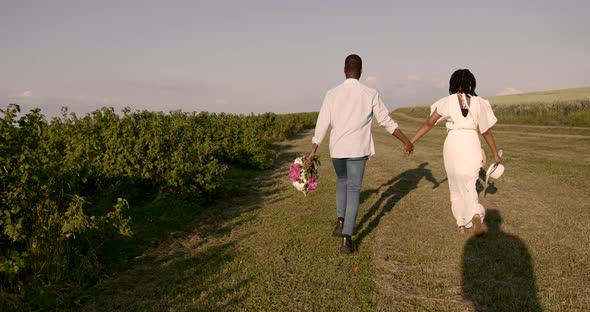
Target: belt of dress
column 464, row 129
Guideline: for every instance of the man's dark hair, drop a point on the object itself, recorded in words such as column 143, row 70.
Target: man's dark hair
column 462, row 80
column 353, row 64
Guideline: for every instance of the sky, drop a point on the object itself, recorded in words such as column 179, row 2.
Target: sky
column 280, row 56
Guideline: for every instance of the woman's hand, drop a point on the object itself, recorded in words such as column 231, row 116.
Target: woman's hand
column 498, row 156
column 498, row 159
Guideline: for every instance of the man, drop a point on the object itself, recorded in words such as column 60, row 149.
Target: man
column 349, row 109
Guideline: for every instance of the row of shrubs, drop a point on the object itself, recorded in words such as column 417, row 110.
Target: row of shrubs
column 49, row 169
column 564, row 113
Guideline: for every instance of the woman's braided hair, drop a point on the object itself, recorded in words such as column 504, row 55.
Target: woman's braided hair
column 462, row 80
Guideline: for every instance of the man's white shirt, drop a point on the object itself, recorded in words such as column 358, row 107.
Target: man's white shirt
column 349, row 110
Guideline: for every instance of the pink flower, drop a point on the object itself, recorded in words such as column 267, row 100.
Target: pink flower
column 311, row 184
column 295, row 172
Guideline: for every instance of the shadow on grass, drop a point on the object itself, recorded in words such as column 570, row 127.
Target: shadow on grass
column 180, row 281
column 497, row 271
column 481, row 186
column 397, row 188
column 182, row 272
column 152, row 222
column 189, row 264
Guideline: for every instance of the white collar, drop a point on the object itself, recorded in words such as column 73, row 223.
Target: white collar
column 351, row 80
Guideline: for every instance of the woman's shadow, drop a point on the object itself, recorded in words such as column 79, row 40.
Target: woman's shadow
column 497, row 272
column 397, row 188
column 481, row 186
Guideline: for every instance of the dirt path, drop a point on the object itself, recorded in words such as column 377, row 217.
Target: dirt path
column 544, row 127
column 509, row 126
column 546, row 135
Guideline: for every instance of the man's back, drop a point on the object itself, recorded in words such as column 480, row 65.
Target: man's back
column 351, row 105
column 349, row 109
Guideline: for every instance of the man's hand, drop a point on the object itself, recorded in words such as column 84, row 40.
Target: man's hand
column 307, row 160
column 408, row 148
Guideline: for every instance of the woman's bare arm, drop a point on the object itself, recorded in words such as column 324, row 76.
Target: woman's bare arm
column 427, row 126
column 489, row 137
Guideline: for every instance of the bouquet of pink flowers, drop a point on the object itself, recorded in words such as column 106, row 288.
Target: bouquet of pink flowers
column 304, row 178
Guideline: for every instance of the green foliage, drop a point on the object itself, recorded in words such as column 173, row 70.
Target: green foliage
column 566, row 113
column 41, row 215
column 571, row 113
column 50, row 231
column 421, row 111
column 312, row 170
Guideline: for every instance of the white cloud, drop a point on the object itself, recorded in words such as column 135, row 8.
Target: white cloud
column 371, row 81
column 221, row 101
column 24, row 94
column 51, row 105
column 414, row 90
column 158, row 95
column 509, row 91
column 158, row 85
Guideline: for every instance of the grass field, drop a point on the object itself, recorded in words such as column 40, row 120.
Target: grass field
column 563, row 95
column 269, row 248
column 568, row 107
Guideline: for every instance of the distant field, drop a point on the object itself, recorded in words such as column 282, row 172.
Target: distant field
column 564, row 95
column 568, row 107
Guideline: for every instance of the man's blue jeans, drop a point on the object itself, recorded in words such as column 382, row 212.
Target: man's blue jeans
column 349, row 173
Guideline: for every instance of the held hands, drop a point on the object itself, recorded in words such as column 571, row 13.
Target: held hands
column 408, row 146
column 408, row 149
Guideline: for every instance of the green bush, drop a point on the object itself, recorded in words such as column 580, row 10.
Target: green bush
column 48, row 170
column 568, row 113
column 42, row 217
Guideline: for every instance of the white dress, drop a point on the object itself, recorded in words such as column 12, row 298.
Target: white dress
column 462, row 152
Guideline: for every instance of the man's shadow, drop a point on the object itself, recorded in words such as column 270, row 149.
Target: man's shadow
column 397, row 188
column 497, row 272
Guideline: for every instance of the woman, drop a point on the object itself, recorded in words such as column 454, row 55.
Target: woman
column 463, row 111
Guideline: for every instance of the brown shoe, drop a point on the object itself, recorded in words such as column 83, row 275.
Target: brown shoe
column 479, row 228
column 347, row 245
column 338, row 228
